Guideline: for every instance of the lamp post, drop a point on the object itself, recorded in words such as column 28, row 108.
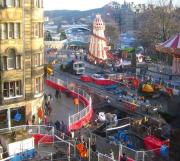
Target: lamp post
column 78, row 99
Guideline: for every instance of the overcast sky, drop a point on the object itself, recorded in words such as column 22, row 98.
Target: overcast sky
column 88, row 4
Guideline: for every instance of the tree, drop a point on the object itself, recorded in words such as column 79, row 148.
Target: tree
column 47, row 36
column 157, row 24
column 112, row 33
column 62, row 35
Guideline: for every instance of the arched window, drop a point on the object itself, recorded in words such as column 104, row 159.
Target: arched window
column 11, row 59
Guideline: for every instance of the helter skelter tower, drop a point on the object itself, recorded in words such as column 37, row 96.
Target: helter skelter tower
column 98, row 44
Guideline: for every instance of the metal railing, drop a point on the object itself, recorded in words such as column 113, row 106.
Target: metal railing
column 62, row 149
column 45, row 150
column 104, row 145
column 32, row 129
column 80, row 94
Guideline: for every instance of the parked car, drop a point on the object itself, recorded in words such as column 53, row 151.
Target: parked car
column 97, row 76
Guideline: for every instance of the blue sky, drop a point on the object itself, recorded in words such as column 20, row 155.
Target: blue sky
column 87, row 4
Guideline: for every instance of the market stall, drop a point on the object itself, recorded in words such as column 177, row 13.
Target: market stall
column 172, row 47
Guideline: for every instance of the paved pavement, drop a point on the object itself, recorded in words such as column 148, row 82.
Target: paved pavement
column 61, row 108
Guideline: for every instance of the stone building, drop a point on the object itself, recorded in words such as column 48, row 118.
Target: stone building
column 22, row 59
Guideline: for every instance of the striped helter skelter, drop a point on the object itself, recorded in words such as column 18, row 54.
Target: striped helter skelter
column 98, row 43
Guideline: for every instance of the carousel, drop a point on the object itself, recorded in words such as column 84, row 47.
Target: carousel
column 172, row 47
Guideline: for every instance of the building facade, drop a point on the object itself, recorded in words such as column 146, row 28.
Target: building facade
column 22, row 61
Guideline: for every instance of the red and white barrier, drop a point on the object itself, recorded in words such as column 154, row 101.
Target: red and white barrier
column 85, row 115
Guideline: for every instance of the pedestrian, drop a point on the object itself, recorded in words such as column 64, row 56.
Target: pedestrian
column 33, row 119
column 93, row 147
column 123, row 158
column 27, row 122
column 63, row 127
column 57, row 124
column 46, row 109
column 45, row 96
column 45, row 120
column 79, row 137
column 84, row 143
column 49, row 109
column 72, row 134
column 57, row 94
column 49, row 98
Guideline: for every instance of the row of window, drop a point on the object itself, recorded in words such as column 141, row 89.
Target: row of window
column 11, row 3
column 13, row 30
column 10, row 31
column 18, row 3
column 14, row 61
column 14, row 89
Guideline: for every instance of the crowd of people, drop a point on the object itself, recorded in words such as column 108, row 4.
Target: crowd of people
column 59, row 125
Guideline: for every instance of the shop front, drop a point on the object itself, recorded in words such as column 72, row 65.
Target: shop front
column 21, row 113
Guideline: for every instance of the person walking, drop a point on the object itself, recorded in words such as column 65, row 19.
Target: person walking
column 57, row 94
column 49, row 109
column 49, row 97
column 93, row 147
column 123, row 158
column 57, row 124
column 63, row 127
column 45, row 120
column 84, row 143
column 79, row 137
column 33, row 119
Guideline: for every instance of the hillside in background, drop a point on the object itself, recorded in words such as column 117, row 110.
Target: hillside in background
column 75, row 16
